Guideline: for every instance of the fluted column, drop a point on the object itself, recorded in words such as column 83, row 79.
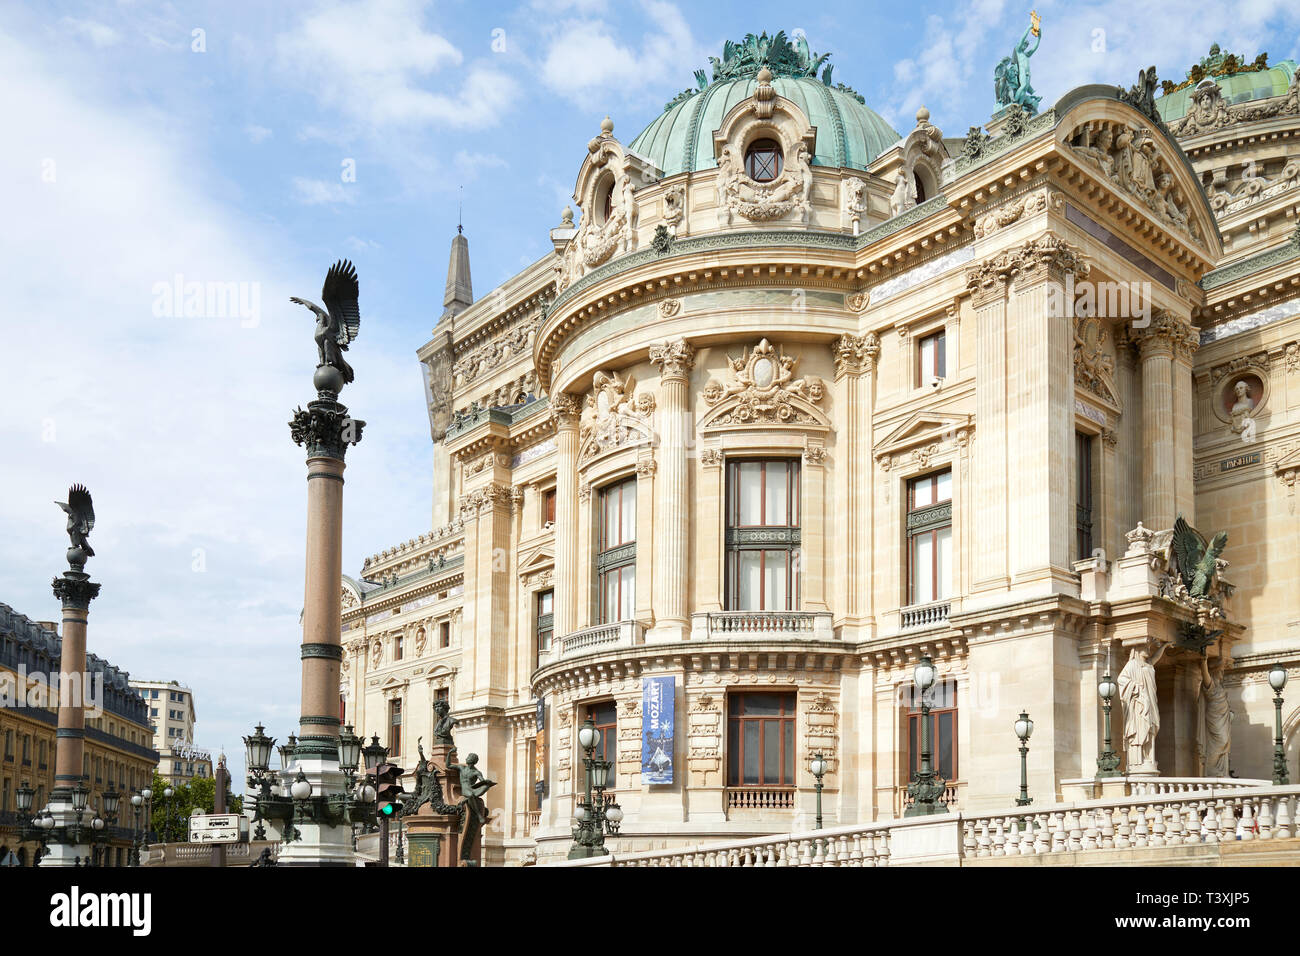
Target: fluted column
column 672, row 499
column 987, row 284
column 565, row 410
column 855, row 368
column 1157, row 344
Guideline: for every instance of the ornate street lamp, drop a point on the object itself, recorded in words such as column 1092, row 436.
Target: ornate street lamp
column 137, row 802
column 1277, row 680
column 168, row 793
column 927, row 788
column 24, row 796
column 287, row 751
column 1108, row 762
column 349, row 752
column 818, row 768
column 1023, row 728
column 597, row 814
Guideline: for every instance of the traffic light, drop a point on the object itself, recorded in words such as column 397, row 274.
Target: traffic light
column 387, row 789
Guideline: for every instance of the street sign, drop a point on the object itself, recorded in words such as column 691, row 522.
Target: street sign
column 218, row 828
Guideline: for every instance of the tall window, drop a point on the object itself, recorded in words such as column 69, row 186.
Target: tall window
column 394, row 727
column 548, row 507
column 942, row 701
column 763, row 535
column 605, row 716
column 929, row 538
column 763, row 161
column 760, row 740
column 931, row 357
column 444, row 634
column 9, row 745
column 545, row 620
column 616, row 561
column 397, row 648
column 1083, row 494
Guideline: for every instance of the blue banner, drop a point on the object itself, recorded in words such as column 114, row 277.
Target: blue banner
column 657, row 695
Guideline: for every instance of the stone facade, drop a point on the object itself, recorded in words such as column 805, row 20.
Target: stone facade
column 1055, row 318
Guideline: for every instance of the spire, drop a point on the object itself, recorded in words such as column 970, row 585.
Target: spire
column 460, row 293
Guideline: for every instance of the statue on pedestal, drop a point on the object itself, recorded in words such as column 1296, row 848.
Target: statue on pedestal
column 442, row 729
column 337, row 327
column 473, row 785
column 1137, row 692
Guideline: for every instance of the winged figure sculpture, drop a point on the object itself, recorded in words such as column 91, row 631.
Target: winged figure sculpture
column 81, row 517
column 1197, row 560
column 338, row 323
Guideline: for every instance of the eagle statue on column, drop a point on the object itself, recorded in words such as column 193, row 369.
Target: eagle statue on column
column 81, row 517
column 338, row 323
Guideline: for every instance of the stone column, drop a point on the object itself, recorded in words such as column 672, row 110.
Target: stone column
column 1166, row 346
column 672, row 507
column 1040, row 443
column 326, row 429
column 75, row 591
column 565, row 409
column 987, row 284
column 855, row 368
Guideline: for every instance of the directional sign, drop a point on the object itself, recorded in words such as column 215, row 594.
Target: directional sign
column 218, row 828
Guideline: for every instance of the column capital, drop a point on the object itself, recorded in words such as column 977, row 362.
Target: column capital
column 75, row 590
column 494, row 494
column 1165, row 334
column 326, row 428
column 675, row 358
column 855, row 354
column 1047, row 258
column 566, row 409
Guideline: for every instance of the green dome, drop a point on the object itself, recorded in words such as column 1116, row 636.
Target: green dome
column 1241, row 86
column 848, row 132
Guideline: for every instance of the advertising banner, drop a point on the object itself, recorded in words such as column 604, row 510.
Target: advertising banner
column 657, row 695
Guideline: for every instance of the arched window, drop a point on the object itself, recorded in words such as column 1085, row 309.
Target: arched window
column 920, row 187
column 606, row 193
column 763, row 160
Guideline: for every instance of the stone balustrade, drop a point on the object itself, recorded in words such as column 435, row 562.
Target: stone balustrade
column 200, row 854
column 602, row 636
column 924, row 615
column 760, row 798
column 762, row 625
column 1204, row 818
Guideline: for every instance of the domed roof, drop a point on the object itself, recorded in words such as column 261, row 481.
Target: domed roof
column 1239, row 81
column 849, row 133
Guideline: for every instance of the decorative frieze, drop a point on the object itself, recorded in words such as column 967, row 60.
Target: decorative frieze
column 856, row 353
column 499, row 351
column 762, row 389
column 615, row 416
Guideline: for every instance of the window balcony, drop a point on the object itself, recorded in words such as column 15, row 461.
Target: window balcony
column 762, row 625
column 760, row 798
column 918, row 616
column 602, row 637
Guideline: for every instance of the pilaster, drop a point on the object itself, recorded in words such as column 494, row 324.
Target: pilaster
column 672, row 490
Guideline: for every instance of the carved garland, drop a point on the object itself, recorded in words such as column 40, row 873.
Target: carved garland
column 762, row 389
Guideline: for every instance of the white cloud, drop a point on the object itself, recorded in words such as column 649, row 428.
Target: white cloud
column 97, row 33
column 318, row 192
column 586, row 59
column 256, row 134
column 373, row 61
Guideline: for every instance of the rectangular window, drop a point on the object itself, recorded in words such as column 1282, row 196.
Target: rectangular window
column 616, row 560
column 942, row 701
column 9, row 745
column 548, row 507
column 444, row 634
column 397, row 648
column 929, row 538
column 1083, row 494
column 545, row 620
column 931, row 358
column 763, row 535
column 40, row 756
column 27, row 750
column 394, row 727
column 605, row 716
column 760, row 740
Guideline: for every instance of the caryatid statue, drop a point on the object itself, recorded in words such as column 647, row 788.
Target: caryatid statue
column 1011, row 76
column 1214, row 726
column 1137, row 692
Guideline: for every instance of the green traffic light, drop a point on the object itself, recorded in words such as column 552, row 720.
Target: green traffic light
column 386, row 809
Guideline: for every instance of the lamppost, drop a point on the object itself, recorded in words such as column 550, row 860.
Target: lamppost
column 169, row 831
column 1024, row 727
column 373, row 753
column 1277, row 680
column 596, row 815
column 927, row 787
column 818, row 768
column 133, row 857
column 1108, row 762
column 102, row 826
column 31, row 829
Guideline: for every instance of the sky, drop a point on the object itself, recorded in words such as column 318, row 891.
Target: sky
column 245, row 146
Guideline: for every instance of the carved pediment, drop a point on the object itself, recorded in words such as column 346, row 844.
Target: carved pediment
column 761, row 389
column 924, row 434
column 537, row 567
column 614, row 416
